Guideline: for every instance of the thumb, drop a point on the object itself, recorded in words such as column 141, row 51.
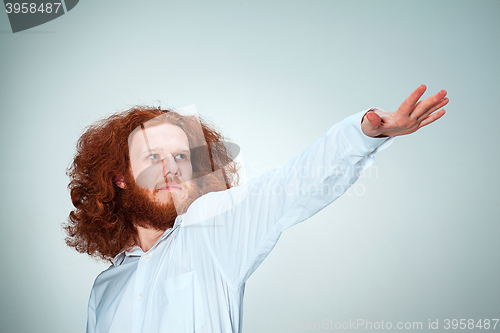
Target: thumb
column 374, row 119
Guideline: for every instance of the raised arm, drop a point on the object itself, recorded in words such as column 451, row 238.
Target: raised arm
column 242, row 236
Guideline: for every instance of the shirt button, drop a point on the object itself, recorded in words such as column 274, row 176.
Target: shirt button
column 372, row 150
column 146, row 256
column 140, row 296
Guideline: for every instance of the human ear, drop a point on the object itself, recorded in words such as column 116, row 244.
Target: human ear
column 120, row 181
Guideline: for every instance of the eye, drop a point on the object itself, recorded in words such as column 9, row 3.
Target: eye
column 154, row 158
column 180, row 156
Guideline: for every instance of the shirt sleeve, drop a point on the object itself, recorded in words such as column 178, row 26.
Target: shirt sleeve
column 91, row 316
column 244, row 223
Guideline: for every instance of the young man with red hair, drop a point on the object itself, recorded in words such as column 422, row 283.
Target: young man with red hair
column 153, row 194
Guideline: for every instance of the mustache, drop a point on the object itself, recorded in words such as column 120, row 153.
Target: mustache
column 169, row 181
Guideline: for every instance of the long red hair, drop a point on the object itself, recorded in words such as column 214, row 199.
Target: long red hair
column 97, row 226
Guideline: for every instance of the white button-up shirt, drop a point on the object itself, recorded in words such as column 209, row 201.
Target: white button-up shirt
column 193, row 278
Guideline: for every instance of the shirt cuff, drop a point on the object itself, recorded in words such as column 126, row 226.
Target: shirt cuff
column 354, row 136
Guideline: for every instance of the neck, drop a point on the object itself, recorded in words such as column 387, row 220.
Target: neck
column 146, row 237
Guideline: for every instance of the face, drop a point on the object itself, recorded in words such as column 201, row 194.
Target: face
column 160, row 162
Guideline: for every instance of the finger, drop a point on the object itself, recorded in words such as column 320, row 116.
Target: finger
column 409, row 103
column 428, row 103
column 438, row 106
column 374, row 119
column 432, row 118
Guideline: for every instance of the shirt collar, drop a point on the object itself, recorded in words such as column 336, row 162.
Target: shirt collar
column 136, row 251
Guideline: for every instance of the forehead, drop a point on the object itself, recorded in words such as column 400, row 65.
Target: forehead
column 162, row 135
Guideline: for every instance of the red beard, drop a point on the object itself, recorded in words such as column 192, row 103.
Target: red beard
column 145, row 210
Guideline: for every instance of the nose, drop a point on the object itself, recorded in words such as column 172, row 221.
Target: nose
column 170, row 167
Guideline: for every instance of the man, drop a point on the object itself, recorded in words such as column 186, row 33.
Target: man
column 153, row 193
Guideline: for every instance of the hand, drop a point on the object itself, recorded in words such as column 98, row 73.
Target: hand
column 410, row 116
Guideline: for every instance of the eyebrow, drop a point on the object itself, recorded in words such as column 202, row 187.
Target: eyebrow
column 160, row 149
column 184, row 151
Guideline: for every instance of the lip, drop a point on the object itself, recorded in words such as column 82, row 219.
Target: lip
column 170, row 187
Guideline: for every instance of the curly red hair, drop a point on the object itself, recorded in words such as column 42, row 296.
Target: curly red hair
column 97, row 226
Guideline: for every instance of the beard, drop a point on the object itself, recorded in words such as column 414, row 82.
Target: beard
column 152, row 209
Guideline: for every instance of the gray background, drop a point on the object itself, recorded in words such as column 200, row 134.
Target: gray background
column 416, row 239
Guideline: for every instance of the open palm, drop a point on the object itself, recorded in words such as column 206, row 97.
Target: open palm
column 410, row 116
